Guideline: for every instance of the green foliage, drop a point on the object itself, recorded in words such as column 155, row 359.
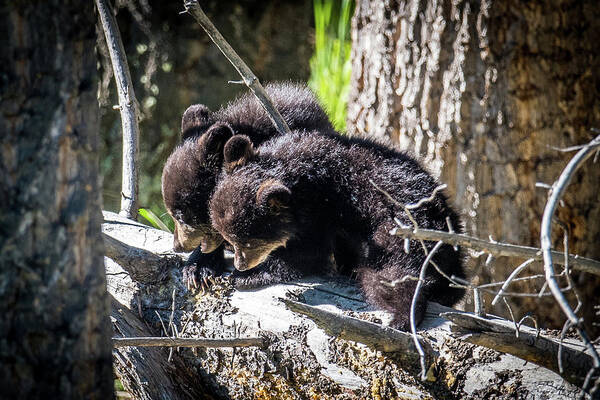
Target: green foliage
column 118, row 385
column 163, row 222
column 330, row 66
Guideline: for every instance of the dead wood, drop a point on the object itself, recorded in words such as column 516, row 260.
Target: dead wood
column 145, row 372
column 323, row 340
column 128, row 108
column 525, row 342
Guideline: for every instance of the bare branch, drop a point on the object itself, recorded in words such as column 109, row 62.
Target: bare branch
column 545, row 238
column 373, row 335
column 413, row 304
column 478, row 302
column 129, row 111
column 497, row 249
column 143, row 265
column 194, row 9
column 187, row 342
column 426, row 199
column 512, row 276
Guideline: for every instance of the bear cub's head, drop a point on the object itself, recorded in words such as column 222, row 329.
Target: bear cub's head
column 189, row 177
column 251, row 208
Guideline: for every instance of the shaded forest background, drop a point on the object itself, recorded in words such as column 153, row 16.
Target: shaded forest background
column 174, row 64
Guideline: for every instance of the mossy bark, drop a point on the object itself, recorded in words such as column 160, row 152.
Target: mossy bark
column 55, row 328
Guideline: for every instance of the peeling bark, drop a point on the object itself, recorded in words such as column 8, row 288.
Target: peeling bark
column 54, row 329
column 480, row 91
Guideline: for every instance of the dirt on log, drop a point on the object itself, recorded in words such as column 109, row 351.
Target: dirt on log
column 302, row 359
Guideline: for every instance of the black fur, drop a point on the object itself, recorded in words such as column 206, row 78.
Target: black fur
column 190, row 174
column 295, row 102
column 332, row 207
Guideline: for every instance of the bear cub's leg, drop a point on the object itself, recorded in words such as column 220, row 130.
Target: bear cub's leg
column 396, row 299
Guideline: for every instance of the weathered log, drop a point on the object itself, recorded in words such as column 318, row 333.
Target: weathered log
column 312, row 356
column 145, row 372
column 526, row 343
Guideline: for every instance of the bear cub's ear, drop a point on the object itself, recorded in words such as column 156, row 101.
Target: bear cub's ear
column 211, row 144
column 195, row 120
column 238, row 150
column 274, row 195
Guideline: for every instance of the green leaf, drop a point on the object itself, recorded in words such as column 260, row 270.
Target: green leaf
column 154, row 219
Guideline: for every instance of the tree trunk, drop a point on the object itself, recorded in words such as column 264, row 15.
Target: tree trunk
column 480, row 91
column 313, row 348
column 55, row 325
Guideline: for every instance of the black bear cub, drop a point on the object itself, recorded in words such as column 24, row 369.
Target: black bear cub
column 298, row 199
column 191, row 171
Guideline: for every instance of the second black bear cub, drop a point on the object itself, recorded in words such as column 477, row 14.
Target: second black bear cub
column 298, row 199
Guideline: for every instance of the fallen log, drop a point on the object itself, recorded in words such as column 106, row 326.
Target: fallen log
column 322, row 339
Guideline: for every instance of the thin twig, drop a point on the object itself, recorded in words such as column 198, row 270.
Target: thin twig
column 128, row 108
column 532, row 319
column 543, row 289
column 500, row 283
column 567, row 271
column 564, row 331
column 478, row 302
column 497, row 249
column 187, row 342
column 510, row 278
column 413, row 304
column 426, row 199
column 162, row 323
column 171, row 325
column 194, row 9
column 545, row 238
column 464, row 284
column 512, row 316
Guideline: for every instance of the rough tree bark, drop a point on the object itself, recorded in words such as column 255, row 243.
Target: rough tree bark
column 309, row 357
column 480, row 91
column 55, row 327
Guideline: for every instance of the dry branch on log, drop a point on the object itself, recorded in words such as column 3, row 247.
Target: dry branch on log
column 127, row 106
column 144, row 372
column 143, row 265
column 497, row 249
column 313, row 350
column 373, row 335
column 150, row 341
column 526, row 343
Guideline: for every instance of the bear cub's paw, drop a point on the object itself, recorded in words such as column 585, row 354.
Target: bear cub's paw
column 195, row 277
